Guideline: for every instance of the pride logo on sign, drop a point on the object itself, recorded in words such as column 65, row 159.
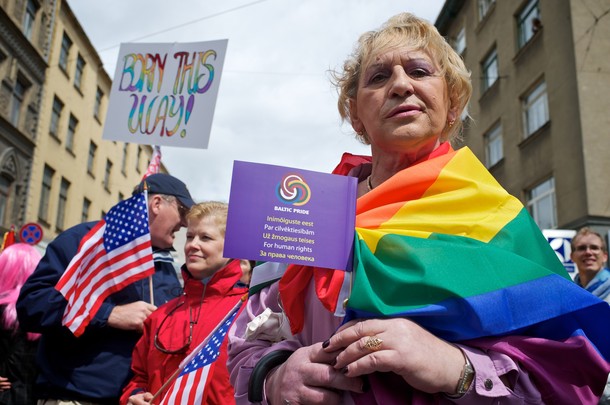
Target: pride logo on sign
column 293, row 190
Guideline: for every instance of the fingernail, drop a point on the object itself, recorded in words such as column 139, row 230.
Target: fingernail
column 366, row 386
column 344, row 370
column 325, row 344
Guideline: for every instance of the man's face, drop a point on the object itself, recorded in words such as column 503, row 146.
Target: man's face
column 588, row 254
column 166, row 217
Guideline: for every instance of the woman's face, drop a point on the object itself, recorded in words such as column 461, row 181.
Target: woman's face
column 402, row 101
column 203, row 248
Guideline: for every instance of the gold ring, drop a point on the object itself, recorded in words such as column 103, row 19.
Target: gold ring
column 373, row 343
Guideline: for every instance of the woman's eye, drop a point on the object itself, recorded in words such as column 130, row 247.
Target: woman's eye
column 419, row 72
column 378, row 78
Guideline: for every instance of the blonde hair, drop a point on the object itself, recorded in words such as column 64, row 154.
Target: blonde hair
column 400, row 30
column 215, row 209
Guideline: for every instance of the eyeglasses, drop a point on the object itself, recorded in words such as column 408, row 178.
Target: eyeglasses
column 182, row 210
column 161, row 347
column 592, row 248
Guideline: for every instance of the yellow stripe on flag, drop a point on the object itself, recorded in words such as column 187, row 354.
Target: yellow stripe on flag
column 465, row 200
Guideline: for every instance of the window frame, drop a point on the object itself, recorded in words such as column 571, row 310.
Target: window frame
column 29, row 19
column 484, row 6
column 56, row 112
column 86, row 209
column 492, row 138
column 107, row 174
column 97, row 106
column 45, row 193
column 525, row 22
column 535, row 103
column 534, row 202
column 71, row 132
column 91, row 158
column 79, row 72
column 18, row 95
column 64, row 52
column 62, row 203
column 490, row 62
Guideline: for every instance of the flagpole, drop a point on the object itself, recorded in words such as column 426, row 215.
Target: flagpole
column 150, row 278
column 188, row 358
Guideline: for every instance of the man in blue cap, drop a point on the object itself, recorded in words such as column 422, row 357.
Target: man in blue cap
column 94, row 367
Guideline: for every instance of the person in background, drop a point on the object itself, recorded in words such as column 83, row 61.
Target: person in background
column 94, row 367
column 246, row 268
column 212, row 288
column 590, row 255
column 17, row 348
column 442, row 303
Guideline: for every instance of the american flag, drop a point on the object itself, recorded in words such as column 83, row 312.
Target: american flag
column 155, row 162
column 113, row 254
column 189, row 387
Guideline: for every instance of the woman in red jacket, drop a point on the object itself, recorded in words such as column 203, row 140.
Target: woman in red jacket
column 211, row 290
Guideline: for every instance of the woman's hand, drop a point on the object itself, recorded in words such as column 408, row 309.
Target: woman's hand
column 5, row 384
column 426, row 362
column 142, row 398
column 308, row 377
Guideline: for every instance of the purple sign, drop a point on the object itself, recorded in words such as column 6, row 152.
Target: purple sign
column 282, row 214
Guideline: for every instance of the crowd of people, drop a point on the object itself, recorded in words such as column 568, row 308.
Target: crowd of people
column 432, row 312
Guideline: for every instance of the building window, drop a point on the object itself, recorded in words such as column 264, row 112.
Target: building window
column 91, row 159
column 535, row 109
column 72, row 124
column 29, row 18
column 107, row 175
column 58, row 106
column 86, row 208
column 17, row 101
column 493, row 146
column 64, row 53
column 460, row 41
column 98, row 103
column 61, row 205
column 484, row 7
column 489, row 67
column 528, row 22
column 124, row 160
column 45, row 193
column 5, row 187
column 78, row 74
column 138, row 158
column 121, row 196
column 541, row 204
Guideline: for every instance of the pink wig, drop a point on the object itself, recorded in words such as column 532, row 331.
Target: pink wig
column 17, row 262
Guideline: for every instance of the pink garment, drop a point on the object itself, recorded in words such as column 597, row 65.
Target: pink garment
column 386, row 388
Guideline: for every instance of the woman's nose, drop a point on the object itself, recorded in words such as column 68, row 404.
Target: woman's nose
column 400, row 82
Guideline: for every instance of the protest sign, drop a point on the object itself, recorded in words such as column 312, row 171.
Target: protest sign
column 282, row 214
column 165, row 94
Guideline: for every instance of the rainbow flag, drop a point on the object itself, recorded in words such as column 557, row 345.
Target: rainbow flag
column 449, row 248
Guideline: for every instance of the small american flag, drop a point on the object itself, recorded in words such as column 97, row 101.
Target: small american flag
column 189, row 387
column 113, row 254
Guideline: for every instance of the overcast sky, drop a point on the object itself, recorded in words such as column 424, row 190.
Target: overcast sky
column 275, row 103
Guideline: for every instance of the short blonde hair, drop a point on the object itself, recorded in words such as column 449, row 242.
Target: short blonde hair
column 215, row 209
column 405, row 29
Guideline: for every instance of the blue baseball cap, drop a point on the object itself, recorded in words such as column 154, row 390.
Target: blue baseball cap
column 161, row 183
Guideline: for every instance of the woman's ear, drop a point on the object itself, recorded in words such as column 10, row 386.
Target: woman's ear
column 353, row 115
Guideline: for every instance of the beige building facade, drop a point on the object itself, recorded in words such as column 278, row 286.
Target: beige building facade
column 25, row 32
column 55, row 169
column 540, row 111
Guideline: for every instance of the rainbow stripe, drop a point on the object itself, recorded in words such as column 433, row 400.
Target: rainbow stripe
column 445, row 245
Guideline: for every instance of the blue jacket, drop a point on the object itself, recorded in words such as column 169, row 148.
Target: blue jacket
column 95, row 366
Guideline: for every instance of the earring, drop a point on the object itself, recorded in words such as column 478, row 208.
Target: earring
column 360, row 133
column 451, row 123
